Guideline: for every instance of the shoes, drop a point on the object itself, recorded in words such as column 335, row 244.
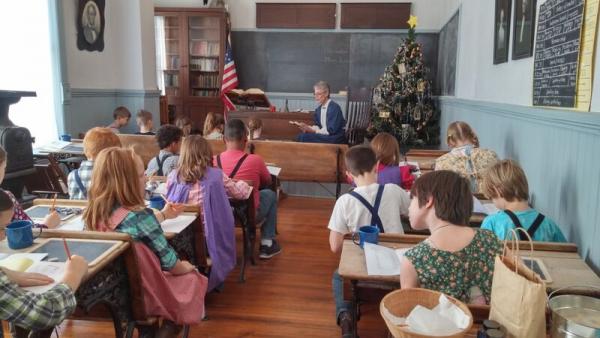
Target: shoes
column 169, row 329
column 346, row 324
column 266, row 252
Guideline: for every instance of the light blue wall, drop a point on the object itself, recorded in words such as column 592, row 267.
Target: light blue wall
column 87, row 108
column 559, row 151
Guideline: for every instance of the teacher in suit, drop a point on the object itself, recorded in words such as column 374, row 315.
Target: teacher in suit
column 329, row 120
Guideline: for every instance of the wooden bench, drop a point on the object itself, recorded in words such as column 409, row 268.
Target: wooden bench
column 276, row 125
column 425, row 157
column 305, row 162
column 144, row 145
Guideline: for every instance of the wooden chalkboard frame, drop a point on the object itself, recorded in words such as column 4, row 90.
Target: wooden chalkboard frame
column 533, row 13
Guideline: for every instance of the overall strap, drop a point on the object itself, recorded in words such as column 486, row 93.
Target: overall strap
column 375, row 220
column 160, row 163
column 535, row 225
column 80, row 183
column 517, row 223
column 237, row 165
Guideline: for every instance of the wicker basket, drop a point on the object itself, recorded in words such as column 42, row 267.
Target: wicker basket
column 401, row 302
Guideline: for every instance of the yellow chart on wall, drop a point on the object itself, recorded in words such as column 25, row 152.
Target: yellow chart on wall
column 585, row 71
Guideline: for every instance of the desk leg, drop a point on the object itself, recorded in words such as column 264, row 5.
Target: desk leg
column 354, row 306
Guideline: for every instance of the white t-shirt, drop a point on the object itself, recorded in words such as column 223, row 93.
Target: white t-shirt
column 349, row 213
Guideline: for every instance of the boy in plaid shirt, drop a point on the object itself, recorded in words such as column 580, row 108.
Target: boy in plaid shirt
column 95, row 140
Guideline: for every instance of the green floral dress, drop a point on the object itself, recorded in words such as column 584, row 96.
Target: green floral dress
column 456, row 273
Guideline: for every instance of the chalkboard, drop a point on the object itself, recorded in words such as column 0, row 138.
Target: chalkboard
column 294, row 61
column 557, row 53
column 91, row 250
column 446, row 67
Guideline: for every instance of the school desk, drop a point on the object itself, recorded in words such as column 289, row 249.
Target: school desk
column 564, row 264
column 106, row 283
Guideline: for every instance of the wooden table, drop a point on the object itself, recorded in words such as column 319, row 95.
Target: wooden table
column 106, row 283
column 565, row 266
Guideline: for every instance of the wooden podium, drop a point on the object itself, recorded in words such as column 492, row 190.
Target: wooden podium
column 249, row 99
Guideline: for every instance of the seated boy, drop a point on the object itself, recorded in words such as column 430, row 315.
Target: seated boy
column 169, row 142
column 144, row 122
column 121, row 115
column 95, row 140
column 505, row 184
column 353, row 210
column 29, row 310
column 239, row 165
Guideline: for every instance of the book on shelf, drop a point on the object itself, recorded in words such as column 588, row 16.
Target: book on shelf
column 251, row 97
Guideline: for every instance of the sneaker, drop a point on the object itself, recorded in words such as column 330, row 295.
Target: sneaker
column 346, row 324
column 267, row 252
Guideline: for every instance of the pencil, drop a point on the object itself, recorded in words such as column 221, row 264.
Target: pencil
column 53, row 203
column 67, row 249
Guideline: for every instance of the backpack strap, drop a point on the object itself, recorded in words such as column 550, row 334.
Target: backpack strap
column 219, row 162
column 237, row 165
column 374, row 210
column 160, row 163
column 532, row 229
column 80, row 183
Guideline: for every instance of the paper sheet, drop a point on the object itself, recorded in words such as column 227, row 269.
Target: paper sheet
column 381, row 260
column 54, row 270
column 36, row 257
column 75, row 224
column 273, row 170
column 161, row 189
column 178, row 224
column 54, row 145
column 478, row 208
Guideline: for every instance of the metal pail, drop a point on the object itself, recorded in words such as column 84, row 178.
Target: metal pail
column 575, row 316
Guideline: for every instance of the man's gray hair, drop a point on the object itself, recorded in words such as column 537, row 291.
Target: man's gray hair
column 322, row 85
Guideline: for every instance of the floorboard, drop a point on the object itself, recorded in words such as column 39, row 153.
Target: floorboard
column 287, row 296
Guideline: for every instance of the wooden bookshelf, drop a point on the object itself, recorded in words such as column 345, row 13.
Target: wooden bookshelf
column 190, row 46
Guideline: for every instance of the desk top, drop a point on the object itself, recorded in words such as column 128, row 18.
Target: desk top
column 565, row 268
column 110, row 255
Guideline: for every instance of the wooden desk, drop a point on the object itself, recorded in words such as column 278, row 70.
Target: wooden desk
column 564, row 264
column 105, row 284
column 276, row 125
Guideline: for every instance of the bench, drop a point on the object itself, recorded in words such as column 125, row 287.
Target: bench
column 144, row 145
column 305, row 162
column 276, row 125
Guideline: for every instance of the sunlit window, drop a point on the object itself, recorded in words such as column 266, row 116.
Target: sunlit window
column 26, row 64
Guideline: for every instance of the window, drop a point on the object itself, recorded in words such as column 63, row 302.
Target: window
column 26, row 63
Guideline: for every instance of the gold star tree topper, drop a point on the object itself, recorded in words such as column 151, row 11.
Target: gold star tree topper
column 412, row 22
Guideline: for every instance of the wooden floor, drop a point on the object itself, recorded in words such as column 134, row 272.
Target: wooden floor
column 287, row 296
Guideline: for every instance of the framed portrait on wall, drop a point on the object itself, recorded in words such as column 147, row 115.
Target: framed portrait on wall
column 501, row 31
column 524, row 30
column 90, row 25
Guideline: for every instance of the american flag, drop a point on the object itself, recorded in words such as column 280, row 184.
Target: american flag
column 230, row 80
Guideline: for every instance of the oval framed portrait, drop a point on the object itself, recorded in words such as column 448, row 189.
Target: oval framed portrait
column 90, row 25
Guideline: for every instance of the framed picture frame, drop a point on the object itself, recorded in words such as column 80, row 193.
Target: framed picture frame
column 524, row 30
column 90, row 25
column 501, row 31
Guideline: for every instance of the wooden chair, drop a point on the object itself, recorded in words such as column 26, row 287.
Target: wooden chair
column 48, row 180
column 358, row 114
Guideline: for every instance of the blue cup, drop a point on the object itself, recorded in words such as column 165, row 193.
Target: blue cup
column 367, row 233
column 20, row 234
column 157, row 203
column 65, row 137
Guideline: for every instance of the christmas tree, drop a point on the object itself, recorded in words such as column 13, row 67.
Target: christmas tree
column 402, row 103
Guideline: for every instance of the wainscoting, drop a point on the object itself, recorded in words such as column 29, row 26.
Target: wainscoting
column 87, row 108
column 558, row 150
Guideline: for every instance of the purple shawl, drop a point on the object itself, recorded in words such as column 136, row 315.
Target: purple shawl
column 218, row 222
column 389, row 174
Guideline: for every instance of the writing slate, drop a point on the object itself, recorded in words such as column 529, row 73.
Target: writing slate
column 91, row 250
column 557, row 53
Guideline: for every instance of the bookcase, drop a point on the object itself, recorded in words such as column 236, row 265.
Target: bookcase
column 190, row 52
